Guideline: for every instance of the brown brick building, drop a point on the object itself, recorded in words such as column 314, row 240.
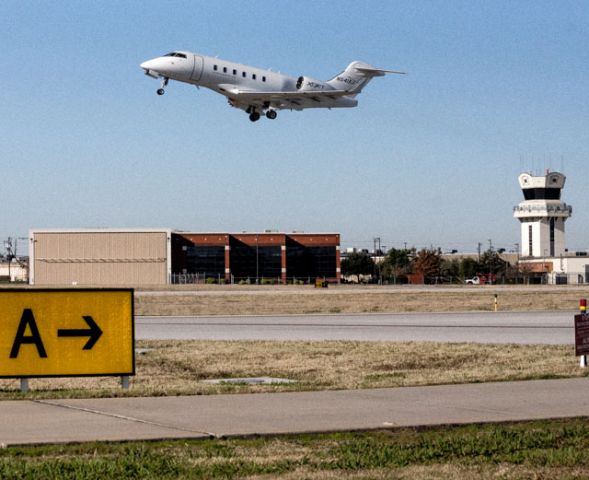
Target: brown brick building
column 236, row 257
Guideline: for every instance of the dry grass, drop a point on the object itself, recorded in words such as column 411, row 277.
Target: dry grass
column 448, row 471
column 297, row 300
column 179, row 367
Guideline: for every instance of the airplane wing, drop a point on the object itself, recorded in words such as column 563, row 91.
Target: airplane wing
column 294, row 99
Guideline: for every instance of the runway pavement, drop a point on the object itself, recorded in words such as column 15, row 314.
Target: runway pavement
column 57, row 421
column 480, row 327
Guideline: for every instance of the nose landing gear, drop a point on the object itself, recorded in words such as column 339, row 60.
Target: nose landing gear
column 161, row 91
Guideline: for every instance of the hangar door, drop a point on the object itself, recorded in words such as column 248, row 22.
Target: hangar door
column 100, row 258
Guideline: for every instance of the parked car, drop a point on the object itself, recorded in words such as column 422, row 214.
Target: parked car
column 482, row 279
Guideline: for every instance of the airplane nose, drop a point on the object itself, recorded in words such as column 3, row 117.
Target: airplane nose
column 147, row 64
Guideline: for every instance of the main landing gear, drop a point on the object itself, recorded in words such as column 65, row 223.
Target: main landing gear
column 255, row 115
column 161, row 91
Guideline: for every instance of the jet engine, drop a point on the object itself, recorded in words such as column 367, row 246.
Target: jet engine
column 308, row 84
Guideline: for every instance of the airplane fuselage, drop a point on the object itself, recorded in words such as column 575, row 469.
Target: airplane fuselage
column 257, row 90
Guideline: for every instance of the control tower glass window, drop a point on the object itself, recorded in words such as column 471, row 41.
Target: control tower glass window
column 541, row 193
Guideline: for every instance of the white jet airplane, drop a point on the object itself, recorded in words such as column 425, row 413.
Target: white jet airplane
column 262, row 92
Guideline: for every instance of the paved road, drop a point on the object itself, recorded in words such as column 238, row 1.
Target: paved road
column 480, row 327
column 207, row 290
column 52, row 421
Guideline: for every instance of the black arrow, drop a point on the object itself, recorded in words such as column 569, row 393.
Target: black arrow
column 93, row 332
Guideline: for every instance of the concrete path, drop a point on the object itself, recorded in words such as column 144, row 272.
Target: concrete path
column 54, row 421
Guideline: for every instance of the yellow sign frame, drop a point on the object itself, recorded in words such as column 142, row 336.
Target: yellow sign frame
column 67, row 332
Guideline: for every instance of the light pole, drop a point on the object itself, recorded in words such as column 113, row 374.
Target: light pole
column 257, row 260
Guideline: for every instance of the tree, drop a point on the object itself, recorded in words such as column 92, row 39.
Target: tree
column 468, row 268
column 450, row 269
column 357, row 263
column 397, row 263
column 428, row 262
column 491, row 262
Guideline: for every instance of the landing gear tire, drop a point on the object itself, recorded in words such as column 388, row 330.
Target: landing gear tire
column 161, row 91
column 271, row 114
column 254, row 116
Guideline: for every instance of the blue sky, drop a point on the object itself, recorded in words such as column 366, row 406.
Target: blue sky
column 431, row 158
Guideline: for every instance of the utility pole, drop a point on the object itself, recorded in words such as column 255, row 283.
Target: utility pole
column 479, row 250
column 376, row 241
column 11, row 244
column 377, row 253
column 8, row 247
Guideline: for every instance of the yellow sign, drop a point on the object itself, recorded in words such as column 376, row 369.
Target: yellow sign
column 58, row 333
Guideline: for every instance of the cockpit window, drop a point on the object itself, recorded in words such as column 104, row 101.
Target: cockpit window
column 175, row 54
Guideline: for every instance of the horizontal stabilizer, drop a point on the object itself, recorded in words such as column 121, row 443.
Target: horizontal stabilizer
column 375, row 72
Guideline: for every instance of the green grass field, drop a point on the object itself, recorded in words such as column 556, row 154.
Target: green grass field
column 542, row 449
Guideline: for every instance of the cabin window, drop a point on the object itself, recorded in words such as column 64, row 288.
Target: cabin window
column 234, row 72
column 253, row 76
column 224, row 69
column 215, row 68
column 263, row 79
column 243, row 74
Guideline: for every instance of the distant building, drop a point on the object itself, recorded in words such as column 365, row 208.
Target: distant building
column 257, row 257
column 144, row 257
column 542, row 215
column 13, row 271
column 129, row 257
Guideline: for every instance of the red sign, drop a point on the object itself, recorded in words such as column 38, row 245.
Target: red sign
column 582, row 334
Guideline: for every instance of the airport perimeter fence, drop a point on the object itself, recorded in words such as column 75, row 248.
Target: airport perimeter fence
column 566, row 278
column 212, row 279
column 553, row 278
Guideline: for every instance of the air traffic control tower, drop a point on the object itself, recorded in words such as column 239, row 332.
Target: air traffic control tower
column 542, row 215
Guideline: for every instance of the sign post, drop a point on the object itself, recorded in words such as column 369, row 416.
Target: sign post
column 582, row 333
column 66, row 333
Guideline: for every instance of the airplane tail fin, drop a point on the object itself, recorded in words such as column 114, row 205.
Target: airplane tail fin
column 356, row 76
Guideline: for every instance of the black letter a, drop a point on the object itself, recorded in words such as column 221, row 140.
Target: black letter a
column 27, row 319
